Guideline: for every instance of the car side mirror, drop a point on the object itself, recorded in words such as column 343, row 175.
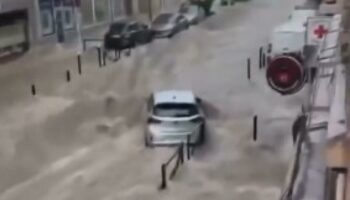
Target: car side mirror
column 199, row 100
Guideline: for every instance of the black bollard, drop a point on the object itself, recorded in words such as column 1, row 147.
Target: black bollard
column 255, row 127
column 260, row 57
column 99, row 57
column 33, row 90
column 104, row 55
column 163, row 184
column 79, row 64
column 188, row 148
column 263, row 60
column 181, row 153
column 248, row 68
column 68, row 75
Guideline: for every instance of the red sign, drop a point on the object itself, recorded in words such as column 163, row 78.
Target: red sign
column 285, row 74
column 320, row 31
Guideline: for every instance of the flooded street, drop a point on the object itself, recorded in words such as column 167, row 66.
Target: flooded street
column 83, row 140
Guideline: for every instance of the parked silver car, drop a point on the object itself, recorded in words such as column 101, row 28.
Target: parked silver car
column 168, row 24
column 193, row 13
column 174, row 117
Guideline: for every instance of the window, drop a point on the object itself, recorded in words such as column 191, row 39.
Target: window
column 117, row 27
column 94, row 11
column 128, row 7
column 163, row 18
column 175, row 110
column 87, row 12
column 133, row 27
column 46, row 17
column 68, row 21
column 144, row 6
column 118, row 10
column 101, row 10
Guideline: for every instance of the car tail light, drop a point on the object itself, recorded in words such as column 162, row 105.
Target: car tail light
column 330, row 1
column 151, row 120
column 197, row 120
column 285, row 74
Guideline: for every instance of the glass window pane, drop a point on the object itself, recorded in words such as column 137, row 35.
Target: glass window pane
column 101, row 9
column 46, row 16
column 144, row 6
column 86, row 11
column 118, row 8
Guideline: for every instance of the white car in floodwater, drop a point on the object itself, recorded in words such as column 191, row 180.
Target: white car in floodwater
column 174, row 117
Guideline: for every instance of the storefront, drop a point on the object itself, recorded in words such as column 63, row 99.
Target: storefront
column 55, row 14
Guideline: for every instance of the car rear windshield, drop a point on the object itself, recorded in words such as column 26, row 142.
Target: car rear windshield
column 162, row 19
column 117, row 27
column 175, row 110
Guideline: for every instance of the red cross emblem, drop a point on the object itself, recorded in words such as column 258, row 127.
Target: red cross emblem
column 320, row 31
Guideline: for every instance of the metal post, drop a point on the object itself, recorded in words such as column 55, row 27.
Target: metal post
column 260, row 57
column 181, row 153
column 104, row 58
column 163, row 184
column 99, row 56
column 68, row 75
column 248, row 68
column 79, row 63
column 33, row 90
column 255, row 124
column 263, row 59
column 188, row 148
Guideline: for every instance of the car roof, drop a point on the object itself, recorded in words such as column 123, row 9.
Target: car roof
column 172, row 15
column 125, row 21
column 167, row 13
column 174, row 96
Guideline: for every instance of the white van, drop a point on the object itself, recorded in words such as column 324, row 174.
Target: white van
column 289, row 38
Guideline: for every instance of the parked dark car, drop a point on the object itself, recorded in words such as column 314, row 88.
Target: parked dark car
column 168, row 24
column 127, row 34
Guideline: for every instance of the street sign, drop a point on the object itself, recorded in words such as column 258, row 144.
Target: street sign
column 317, row 29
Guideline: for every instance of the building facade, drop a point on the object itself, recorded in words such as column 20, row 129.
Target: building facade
column 55, row 20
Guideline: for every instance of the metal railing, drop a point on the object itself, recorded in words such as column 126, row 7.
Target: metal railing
column 178, row 156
